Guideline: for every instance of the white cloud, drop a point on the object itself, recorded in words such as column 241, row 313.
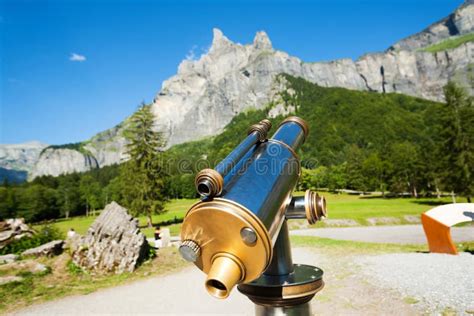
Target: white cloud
column 77, row 57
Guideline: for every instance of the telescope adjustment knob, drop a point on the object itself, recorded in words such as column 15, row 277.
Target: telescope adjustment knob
column 190, row 250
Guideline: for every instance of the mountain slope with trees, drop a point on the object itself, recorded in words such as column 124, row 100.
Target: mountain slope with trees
column 358, row 140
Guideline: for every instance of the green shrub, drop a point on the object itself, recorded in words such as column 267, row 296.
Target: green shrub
column 151, row 252
column 73, row 268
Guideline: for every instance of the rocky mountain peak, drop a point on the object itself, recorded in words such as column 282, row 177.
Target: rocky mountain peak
column 219, row 41
column 261, row 41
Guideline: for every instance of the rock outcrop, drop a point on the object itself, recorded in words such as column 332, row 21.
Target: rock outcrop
column 8, row 258
column 460, row 22
column 13, row 229
column 205, row 94
column 107, row 147
column 104, row 149
column 10, row 279
column 113, row 243
column 52, row 248
column 12, row 271
column 20, row 156
column 63, row 160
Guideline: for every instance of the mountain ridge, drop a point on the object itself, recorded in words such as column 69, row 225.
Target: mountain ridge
column 20, row 157
column 205, row 94
column 460, row 22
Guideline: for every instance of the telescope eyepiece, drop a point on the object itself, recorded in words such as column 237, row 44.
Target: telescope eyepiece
column 204, row 188
column 209, row 183
column 226, row 271
column 312, row 207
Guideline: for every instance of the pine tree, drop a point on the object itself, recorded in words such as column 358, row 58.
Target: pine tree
column 142, row 176
column 457, row 148
column 90, row 192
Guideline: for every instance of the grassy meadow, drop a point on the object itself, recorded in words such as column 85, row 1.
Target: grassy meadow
column 450, row 43
column 175, row 208
column 340, row 206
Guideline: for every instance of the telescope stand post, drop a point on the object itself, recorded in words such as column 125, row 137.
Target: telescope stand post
column 297, row 310
column 284, row 288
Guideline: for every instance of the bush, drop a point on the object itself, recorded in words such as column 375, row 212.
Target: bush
column 46, row 234
column 74, row 269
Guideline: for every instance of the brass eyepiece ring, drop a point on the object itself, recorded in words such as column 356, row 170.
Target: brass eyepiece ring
column 315, row 207
column 299, row 121
column 260, row 129
column 209, row 183
column 266, row 123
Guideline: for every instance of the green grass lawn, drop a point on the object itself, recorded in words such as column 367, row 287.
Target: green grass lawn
column 340, row 206
column 449, row 43
column 327, row 245
column 175, row 208
column 360, row 208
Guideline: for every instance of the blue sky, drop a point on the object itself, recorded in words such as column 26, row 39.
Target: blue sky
column 125, row 49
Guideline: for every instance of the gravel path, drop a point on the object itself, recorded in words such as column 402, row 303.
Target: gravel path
column 355, row 285
column 179, row 293
column 401, row 234
column 183, row 293
column 439, row 281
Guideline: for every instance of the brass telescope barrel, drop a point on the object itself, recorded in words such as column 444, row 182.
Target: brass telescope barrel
column 232, row 235
column 210, row 182
column 270, row 175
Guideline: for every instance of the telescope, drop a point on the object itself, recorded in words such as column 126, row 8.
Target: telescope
column 238, row 233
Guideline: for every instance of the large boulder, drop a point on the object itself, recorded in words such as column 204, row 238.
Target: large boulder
column 113, row 243
column 52, row 248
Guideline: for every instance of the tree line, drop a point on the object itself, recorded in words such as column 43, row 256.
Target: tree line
column 138, row 183
column 387, row 142
column 358, row 140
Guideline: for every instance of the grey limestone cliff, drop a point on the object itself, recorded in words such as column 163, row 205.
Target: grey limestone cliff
column 20, row 156
column 460, row 22
column 56, row 161
column 207, row 93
